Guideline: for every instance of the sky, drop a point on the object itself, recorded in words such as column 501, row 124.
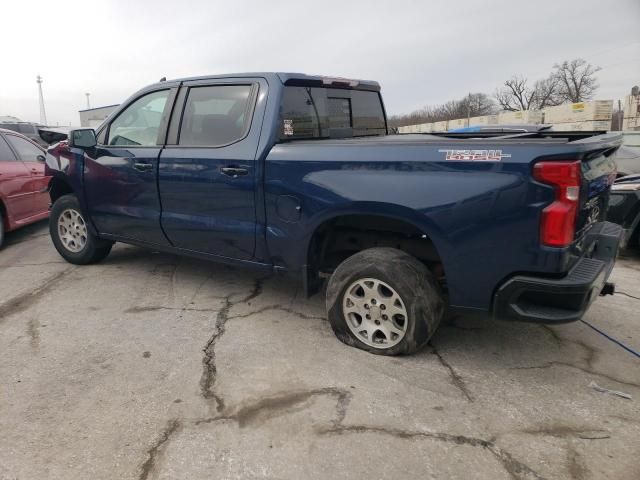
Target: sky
column 421, row 52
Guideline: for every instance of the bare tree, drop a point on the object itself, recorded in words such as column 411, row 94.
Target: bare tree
column 515, row 94
column 479, row 104
column 577, row 80
column 474, row 104
column 547, row 92
column 570, row 81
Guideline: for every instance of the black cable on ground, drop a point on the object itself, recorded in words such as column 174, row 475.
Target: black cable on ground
column 617, row 342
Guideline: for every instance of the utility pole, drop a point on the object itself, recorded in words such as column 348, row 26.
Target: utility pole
column 469, row 109
column 43, row 115
column 88, row 104
column 620, row 115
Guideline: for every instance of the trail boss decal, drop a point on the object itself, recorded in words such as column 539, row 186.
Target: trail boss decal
column 475, row 155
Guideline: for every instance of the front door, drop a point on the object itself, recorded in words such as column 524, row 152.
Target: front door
column 208, row 177
column 121, row 172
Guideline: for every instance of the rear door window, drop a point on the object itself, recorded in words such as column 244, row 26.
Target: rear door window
column 27, row 151
column 216, row 115
column 6, row 154
column 317, row 112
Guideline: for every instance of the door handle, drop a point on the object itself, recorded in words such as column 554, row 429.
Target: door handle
column 143, row 166
column 234, row 172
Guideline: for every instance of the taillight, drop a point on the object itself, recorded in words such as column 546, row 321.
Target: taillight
column 558, row 222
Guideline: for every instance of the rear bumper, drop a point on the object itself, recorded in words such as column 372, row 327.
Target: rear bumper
column 560, row 300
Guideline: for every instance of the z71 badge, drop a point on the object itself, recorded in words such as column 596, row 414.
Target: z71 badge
column 475, row 155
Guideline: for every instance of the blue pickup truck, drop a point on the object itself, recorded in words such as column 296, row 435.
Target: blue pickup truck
column 297, row 174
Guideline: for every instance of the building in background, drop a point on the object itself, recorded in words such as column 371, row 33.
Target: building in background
column 631, row 118
column 92, row 117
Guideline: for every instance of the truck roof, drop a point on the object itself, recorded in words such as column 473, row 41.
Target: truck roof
column 290, row 78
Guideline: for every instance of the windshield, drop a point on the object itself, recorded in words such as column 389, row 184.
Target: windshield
column 317, row 112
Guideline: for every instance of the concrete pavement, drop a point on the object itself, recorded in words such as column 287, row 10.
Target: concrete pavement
column 153, row 366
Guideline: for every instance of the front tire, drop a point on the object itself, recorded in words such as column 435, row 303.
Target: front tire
column 71, row 235
column 384, row 301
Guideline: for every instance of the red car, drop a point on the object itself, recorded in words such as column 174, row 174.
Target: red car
column 23, row 184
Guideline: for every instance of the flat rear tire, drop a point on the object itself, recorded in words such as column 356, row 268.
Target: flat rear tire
column 384, row 301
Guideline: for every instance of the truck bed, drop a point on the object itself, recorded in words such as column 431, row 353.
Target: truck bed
column 483, row 215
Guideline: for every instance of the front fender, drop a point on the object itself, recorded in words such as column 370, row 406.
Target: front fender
column 65, row 166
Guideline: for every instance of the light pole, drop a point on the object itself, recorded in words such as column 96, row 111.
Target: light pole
column 43, row 115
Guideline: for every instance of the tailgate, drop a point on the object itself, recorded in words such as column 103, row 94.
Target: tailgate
column 581, row 178
column 598, row 174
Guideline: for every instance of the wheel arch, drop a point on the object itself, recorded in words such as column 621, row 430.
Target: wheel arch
column 372, row 218
column 59, row 187
column 5, row 216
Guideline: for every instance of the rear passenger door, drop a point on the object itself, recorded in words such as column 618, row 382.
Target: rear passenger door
column 33, row 158
column 208, row 171
column 14, row 184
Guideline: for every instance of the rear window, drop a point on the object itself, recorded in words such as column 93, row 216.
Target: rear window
column 316, row 112
column 24, row 128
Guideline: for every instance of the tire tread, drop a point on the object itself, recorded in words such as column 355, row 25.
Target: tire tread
column 413, row 281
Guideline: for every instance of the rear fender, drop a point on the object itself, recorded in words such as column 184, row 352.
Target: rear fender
column 390, row 211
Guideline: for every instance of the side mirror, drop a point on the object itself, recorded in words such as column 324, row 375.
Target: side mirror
column 83, row 138
column 41, row 158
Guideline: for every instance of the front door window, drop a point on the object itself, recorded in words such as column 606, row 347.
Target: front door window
column 139, row 123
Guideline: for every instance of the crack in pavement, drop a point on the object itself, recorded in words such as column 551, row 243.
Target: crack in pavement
column 266, row 408
column 557, row 338
column 149, row 465
column 574, row 463
column 456, row 379
column 209, row 368
column 516, row 469
column 23, row 301
column 565, row 431
column 258, row 411
column 591, row 352
column 559, row 431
